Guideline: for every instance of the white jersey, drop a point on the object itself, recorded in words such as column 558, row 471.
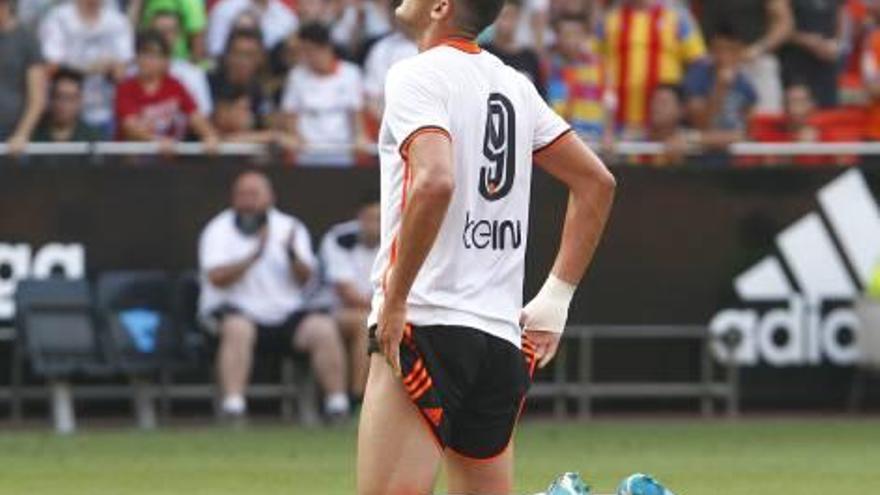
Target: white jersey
column 473, row 276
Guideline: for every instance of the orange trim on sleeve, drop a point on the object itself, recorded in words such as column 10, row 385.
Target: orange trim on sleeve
column 553, row 142
column 404, row 146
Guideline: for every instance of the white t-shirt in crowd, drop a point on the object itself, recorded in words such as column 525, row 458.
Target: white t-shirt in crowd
column 267, row 292
column 277, row 22
column 473, row 275
column 345, row 259
column 383, row 55
column 325, row 106
column 67, row 40
column 195, row 80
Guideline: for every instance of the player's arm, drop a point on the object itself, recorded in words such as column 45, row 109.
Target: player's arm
column 433, row 182
column 591, row 188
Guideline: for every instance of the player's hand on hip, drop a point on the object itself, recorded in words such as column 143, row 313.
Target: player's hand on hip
column 546, row 344
column 544, row 318
column 389, row 332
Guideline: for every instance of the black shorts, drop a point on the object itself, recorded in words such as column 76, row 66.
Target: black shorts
column 270, row 338
column 469, row 386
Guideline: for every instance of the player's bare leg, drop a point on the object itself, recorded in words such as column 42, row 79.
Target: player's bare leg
column 480, row 477
column 397, row 455
column 353, row 326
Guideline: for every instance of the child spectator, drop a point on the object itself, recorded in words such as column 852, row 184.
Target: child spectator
column 240, row 71
column 193, row 77
column 762, row 26
column 22, row 81
column 235, row 121
column 192, row 20
column 718, row 94
column 665, row 125
column 153, row 106
column 575, row 86
column 505, row 46
column 800, row 107
column 96, row 39
column 323, row 101
column 63, row 122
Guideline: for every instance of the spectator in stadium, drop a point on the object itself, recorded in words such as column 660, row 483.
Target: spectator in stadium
column 276, row 22
column 255, row 261
column 762, row 26
column 646, row 43
column 323, row 102
column 666, row 126
column 718, row 94
column 193, row 77
column 576, row 80
column 240, row 70
column 359, row 24
column 815, row 49
column 347, row 253
column 192, row 20
column 63, row 122
column 382, row 55
column 505, row 46
column 95, row 39
column 22, row 81
column 153, row 106
column 235, row 121
column 800, row 108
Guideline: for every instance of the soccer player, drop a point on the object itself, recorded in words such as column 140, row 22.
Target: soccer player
column 454, row 349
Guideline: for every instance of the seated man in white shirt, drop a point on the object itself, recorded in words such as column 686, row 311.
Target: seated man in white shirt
column 255, row 262
column 347, row 255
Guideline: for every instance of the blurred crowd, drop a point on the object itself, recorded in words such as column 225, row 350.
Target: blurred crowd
column 307, row 76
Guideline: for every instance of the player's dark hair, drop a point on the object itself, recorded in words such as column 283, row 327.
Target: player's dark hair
column 473, row 16
column 66, row 74
column 152, row 40
column 315, row 32
column 515, row 3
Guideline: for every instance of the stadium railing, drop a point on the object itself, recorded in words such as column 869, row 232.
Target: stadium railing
column 625, row 148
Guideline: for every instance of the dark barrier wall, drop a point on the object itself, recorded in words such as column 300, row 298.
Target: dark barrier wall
column 677, row 240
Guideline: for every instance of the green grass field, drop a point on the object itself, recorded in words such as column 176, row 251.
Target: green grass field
column 750, row 457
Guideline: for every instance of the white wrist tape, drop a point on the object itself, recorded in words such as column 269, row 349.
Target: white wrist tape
column 548, row 311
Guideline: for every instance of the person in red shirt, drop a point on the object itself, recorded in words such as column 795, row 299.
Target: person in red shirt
column 153, row 106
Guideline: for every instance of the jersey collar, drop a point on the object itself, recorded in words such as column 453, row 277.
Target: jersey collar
column 467, row 45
